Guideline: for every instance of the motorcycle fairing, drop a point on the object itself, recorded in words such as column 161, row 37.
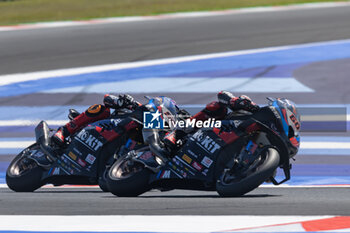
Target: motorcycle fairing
column 40, row 158
column 80, row 158
column 195, row 159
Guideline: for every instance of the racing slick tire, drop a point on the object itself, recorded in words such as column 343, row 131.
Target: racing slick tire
column 238, row 186
column 126, row 180
column 23, row 174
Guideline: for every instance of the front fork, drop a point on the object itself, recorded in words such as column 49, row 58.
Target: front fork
column 249, row 155
column 146, row 157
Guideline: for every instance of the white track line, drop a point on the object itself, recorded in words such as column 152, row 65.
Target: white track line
column 249, row 10
column 143, row 223
column 305, row 186
column 30, row 122
column 49, row 186
column 22, row 77
column 187, row 85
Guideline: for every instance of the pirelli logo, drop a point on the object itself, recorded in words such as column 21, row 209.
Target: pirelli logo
column 72, row 155
column 187, row 159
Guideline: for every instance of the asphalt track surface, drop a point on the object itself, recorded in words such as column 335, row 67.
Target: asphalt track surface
column 45, row 49
column 262, row 201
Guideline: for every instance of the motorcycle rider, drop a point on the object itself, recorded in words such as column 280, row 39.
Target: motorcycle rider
column 162, row 147
column 95, row 113
column 217, row 110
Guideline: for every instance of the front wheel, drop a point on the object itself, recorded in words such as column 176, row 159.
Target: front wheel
column 102, row 181
column 23, row 174
column 233, row 185
column 128, row 179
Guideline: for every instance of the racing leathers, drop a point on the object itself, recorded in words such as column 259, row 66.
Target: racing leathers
column 218, row 111
column 163, row 146
column 95, row 113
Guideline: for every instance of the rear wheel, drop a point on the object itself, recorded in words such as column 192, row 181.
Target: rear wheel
column 23, row 174
column 233, row 184
column 127, row 178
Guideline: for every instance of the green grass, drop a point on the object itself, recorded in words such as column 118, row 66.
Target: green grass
column 27, row 11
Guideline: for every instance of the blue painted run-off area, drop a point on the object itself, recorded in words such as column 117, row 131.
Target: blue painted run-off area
column 283, row 63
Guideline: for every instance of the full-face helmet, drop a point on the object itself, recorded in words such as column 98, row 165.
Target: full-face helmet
column 167, row 109
column 290, row 121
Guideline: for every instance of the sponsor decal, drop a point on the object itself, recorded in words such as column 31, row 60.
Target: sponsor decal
column 115, row 122
column 206, row 162
column 81, row 163
column 192, row 153
column 187, row 159
column 77, row 151
column 178, row 172
column 55, row 171
column 59, row 134
column 69, row 163
column 176, row 161
column 89, row 141
column 274, row 111
column 197, row 166
column 295, row 121
column 184, row 165
column 173, row 166
column 146, row 156
column 38, row 154
column 205, row 171
column 251, row 147
column 206, row 142
column 64, row 159
column 237, row 123
column 153, row 120
column 64, row 166
column 72, row 155
column 165, row 174
column 90, row 158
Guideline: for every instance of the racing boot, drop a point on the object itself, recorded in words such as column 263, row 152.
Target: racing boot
column 73, row 114
column 174, row 140
column 59, row 137
column 94, row 113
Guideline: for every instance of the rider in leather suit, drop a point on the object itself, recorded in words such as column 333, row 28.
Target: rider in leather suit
column 165, row 147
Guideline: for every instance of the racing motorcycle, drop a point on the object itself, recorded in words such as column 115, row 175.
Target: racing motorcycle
column 83, row 160
column 212, row 159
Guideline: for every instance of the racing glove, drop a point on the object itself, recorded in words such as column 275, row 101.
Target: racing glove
column 225, row 97
column 120, row 101
column 243, row 103
column 237, row 103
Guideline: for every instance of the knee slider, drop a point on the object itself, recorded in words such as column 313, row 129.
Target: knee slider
column 97, row 110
